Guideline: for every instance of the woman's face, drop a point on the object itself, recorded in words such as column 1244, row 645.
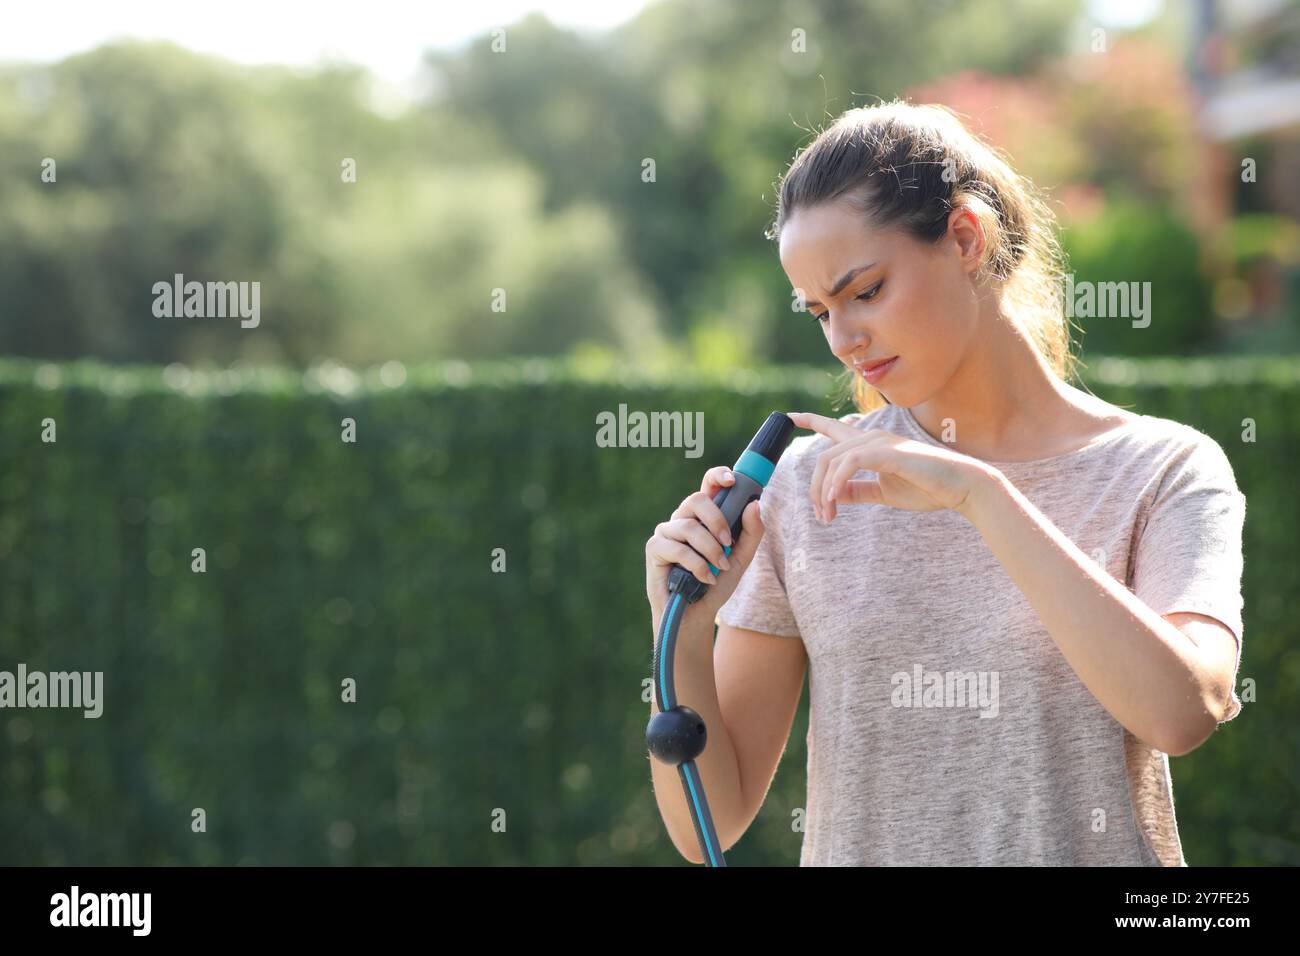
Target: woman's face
column 915, row 300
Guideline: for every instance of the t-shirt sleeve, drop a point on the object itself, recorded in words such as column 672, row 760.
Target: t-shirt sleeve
column 760, row 602
column 1189, row 553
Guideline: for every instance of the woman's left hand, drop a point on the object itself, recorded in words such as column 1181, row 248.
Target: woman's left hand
column 910, row 474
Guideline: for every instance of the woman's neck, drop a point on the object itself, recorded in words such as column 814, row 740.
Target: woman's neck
column 1004, row 403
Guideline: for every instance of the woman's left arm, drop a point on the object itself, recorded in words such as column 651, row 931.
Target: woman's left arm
column 1168, row 679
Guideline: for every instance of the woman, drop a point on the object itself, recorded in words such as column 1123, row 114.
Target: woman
column 1014, row 599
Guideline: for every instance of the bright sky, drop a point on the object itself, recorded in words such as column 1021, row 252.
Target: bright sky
column 387, row 36
column 1124, row 13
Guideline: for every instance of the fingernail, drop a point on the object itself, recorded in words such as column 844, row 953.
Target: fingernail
column 726, row 564
column 728, row 476
column 831, row 495
column 726, row 537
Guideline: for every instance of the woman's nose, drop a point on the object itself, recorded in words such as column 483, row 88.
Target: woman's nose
column 847, row 339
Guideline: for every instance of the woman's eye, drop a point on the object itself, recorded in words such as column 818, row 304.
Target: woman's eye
column 866, row 296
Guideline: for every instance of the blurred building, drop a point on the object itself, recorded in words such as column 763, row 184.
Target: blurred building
column 1245, row 66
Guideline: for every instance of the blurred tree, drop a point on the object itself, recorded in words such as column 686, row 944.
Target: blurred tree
column 717, row 95
column 169, row 162
column 524, row 171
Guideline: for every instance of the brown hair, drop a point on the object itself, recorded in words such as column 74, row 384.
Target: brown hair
column 910, row 165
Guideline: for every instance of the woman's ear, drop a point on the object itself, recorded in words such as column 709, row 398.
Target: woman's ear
column 968, row 233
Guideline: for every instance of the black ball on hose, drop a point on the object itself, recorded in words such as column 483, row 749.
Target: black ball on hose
column 676, row 736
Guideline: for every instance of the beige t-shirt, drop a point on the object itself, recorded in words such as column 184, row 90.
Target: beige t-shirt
column 946, row 727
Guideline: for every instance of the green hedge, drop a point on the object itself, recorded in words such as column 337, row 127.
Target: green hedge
column 475, row 690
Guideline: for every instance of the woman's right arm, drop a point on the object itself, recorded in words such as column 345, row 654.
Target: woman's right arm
column 697, row 688
column 750, row 679
column 756, row 679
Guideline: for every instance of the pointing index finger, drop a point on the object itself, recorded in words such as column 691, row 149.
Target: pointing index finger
column 832, row 428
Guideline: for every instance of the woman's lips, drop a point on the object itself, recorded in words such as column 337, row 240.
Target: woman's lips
column 874, row 375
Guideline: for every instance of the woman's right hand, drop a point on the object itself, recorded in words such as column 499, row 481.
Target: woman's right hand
column 694, row 536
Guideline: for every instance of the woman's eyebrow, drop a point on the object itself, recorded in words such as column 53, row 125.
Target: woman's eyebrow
column 839, row 286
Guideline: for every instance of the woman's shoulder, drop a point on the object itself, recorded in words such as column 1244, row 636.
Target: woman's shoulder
column 1150, row 437
column 1173, row 435
column 1146, row 430
column 1178, row 455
